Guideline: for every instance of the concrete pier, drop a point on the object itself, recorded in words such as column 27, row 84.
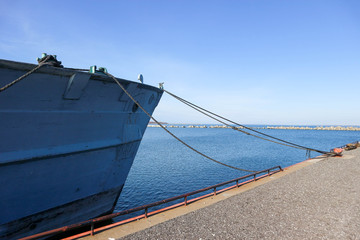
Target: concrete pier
column 316, row 199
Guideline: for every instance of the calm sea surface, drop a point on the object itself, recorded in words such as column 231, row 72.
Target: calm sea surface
column 164, row 168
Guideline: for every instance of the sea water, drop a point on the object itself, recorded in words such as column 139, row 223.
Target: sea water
column 163, row 167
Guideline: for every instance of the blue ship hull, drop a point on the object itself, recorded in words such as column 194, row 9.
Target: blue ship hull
column 68, row 140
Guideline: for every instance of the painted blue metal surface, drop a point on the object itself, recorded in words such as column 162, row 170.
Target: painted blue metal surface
column 68, row 140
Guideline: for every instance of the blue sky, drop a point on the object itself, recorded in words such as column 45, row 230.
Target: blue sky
column 255, row 62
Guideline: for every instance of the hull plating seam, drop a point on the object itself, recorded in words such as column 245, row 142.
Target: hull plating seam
column 42, row 154
column 90, row 207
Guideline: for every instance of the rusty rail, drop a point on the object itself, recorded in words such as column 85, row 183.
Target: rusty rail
column 185, row 196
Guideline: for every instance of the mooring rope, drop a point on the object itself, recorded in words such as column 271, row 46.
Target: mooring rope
column 174, row 136
column 237, row 129
column 285, row 143
column 201, row 110
column 26, row 74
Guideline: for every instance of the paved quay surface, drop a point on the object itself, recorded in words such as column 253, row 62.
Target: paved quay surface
column 318, row 201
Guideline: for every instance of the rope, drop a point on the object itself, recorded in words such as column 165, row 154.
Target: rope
column 187, row 145
column 285, row 143
column 197, row 108
column 26, row 74
column 237, row 129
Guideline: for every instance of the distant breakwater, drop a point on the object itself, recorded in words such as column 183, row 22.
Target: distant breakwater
column 321, row 128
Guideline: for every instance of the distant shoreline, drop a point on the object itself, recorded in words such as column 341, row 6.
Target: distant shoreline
column 321, row 128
